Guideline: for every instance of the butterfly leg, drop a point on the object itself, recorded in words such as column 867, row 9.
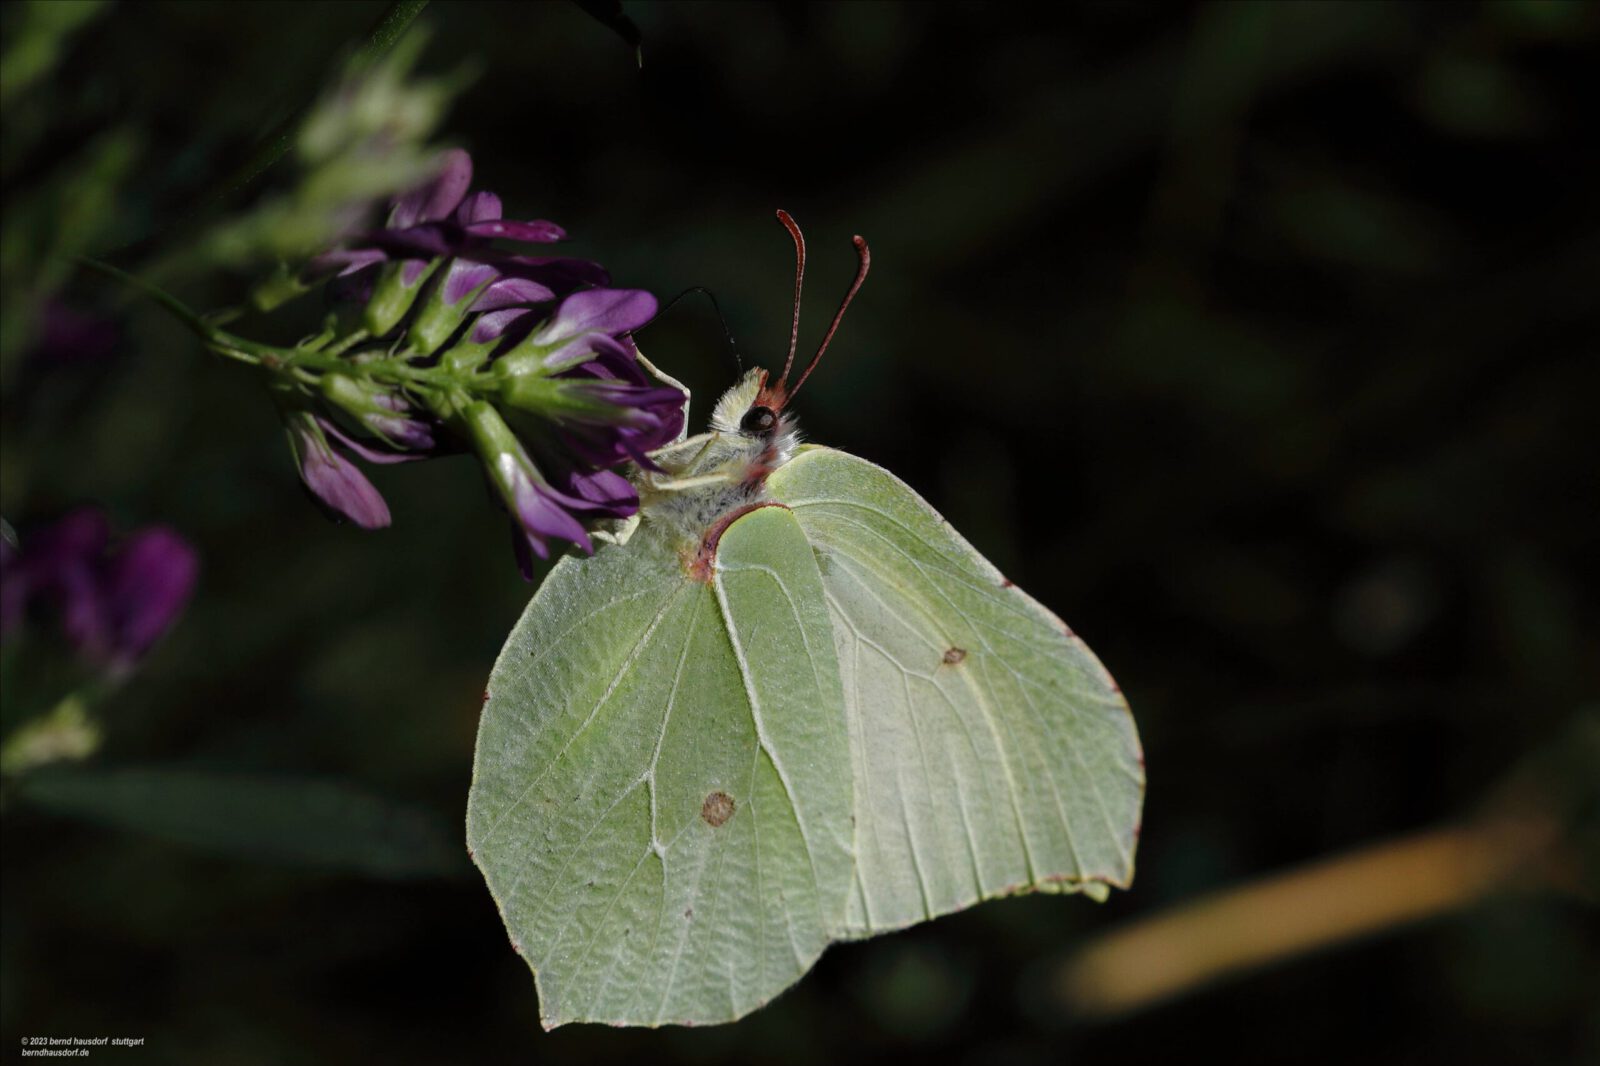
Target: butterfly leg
column 620, row 533
column 667, row 379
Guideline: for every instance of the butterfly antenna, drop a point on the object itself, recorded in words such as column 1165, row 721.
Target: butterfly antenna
column 727, row 333
column 799, row 276
column 864, row 255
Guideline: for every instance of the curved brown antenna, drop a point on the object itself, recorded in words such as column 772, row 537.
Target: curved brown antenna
column 799, row 277
column 864, row 255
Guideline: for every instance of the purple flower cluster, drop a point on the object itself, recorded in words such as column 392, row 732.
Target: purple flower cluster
column 114, row 601
column 543, row 382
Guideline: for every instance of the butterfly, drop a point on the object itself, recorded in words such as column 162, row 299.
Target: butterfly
column 791, row 706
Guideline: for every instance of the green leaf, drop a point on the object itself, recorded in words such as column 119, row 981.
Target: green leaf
column 992, row 752
column 300, row 822
column 661, row 799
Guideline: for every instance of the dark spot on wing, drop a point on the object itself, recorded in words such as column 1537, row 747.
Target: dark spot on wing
column 1007, row 583
column 954, row 655
column 717, row 808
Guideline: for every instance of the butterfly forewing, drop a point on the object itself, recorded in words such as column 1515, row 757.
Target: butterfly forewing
column 662, row 792
column 992, row 752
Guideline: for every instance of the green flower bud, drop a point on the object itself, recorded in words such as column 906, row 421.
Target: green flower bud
column 448, row 303
column 568, row 400
column 395, row 292
column 379, row 410
column 282, row 286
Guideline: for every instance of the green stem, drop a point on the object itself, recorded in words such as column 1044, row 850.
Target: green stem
column 393, row 369
column 194, row 321
column 271, row 356
column 342, row 346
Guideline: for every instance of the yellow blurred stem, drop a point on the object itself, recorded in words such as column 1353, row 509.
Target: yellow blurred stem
column 1365, row 891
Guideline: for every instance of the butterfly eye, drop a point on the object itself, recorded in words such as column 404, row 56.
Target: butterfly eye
column 758, row 420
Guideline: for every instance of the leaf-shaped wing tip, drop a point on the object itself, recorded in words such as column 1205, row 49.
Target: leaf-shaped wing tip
column 992, row 751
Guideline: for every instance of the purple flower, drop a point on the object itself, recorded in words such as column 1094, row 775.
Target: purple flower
column 442, row 230
column 584, row 323
column 437, row 220
column 578, row 370
column 602, row 412
column 336, row 483
column 526, row 359
column 540, row 510
column 114, row 601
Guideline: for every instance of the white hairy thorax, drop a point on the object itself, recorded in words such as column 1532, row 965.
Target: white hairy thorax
column 706, row 477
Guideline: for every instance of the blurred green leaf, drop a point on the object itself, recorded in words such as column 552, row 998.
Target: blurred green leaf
column 37, row 49
column 300, row 822
column 362, row 142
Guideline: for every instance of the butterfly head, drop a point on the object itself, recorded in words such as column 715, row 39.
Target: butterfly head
column 755, row 407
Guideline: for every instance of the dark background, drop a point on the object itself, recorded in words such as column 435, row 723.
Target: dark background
column 1258, row 341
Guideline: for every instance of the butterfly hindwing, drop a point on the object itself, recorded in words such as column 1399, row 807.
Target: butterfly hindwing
column 661, row 796
column 992, row 752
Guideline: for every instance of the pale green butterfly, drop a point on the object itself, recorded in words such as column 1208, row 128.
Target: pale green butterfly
column 792, row 706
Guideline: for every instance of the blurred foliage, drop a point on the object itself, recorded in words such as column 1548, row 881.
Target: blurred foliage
column 312, row 823
column 1292, row 302
column 363, row 141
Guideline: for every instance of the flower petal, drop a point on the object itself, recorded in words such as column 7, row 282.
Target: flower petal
column 512, row 292
column 497, row 324
column 598, row 311
column 147, row 585
column 437, row 198
column 334, row 481
column 415, row 435
column 537, row 231
column 480, row 206
column 537, row 510
column 463, row 276
column 412, row 272
column 606, row 493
